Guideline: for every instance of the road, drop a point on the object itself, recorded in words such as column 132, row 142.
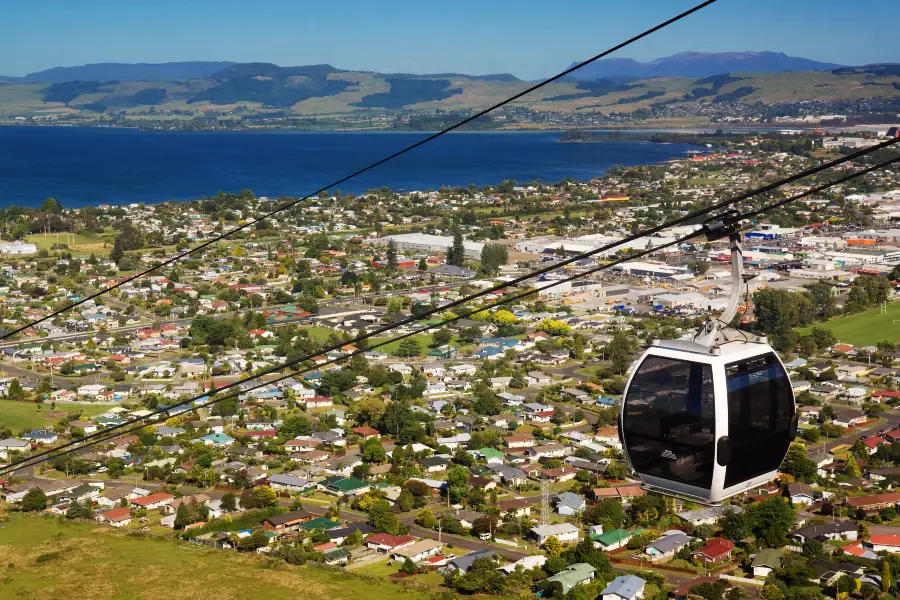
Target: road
column 891, row 419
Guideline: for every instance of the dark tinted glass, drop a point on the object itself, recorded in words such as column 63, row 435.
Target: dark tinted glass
column 668, row 423
column 760, row 409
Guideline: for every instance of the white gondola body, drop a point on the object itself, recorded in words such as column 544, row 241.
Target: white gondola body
column 684, row 412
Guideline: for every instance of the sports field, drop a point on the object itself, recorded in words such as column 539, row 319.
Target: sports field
column 865, row 328
column 20, row 416
column 46, row 557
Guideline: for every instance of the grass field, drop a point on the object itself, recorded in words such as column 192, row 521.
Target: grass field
column 49, row 558
column 865, row 328
column 25, row 415
column 79, row 245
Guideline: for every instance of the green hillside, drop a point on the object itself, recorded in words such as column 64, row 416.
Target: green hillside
column 323, row 90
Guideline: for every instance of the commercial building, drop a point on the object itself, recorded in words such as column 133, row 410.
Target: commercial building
column 424, row 242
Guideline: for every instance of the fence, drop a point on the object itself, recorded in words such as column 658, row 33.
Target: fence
column 650, row 565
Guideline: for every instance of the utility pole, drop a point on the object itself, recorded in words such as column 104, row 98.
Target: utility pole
column 545, row 501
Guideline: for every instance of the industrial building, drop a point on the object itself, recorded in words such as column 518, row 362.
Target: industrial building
column 654, row 270
column 424, row 242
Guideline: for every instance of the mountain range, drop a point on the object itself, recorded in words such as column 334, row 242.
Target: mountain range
column 699, row 64
column 253, row 90
column 684, row 64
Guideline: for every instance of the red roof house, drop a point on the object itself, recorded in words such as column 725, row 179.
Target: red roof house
column 715, row 550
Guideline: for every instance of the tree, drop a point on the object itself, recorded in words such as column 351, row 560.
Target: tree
column 426, row 519
column 735, row 526
column 409, row 566
column 554, row 327
column 229, row 502
column 772, row 592
column 392, row 261
column 771, row 521
column 372, row 451
column 383, row 518
column 15, row 391
column 34, row 500
column 51, row 205
column 115, row 467
column 457, row 483
column 182, row 517
column 354, row 540
column 885, row 577
column 798, row 464
column 265, row 497
column 493, row 256
column 709, row 591
column 77, row 510
column 405, row 501
column 442, row 337
column 852, row 468
column 409, row 347
column 824, row 338
column 552, row 546
column 423, row 265
column 608, row 513
column 456, row 255
column 619, row 352
column 808, row 346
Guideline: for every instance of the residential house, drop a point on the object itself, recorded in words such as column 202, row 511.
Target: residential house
column 839, row 530
column 766, row 561
column 800, row 494
column 464, row 563
column 715, row 550
column 418, row 551
column 624, row 587
column 153, row 501
column 575, row 574
column 564, row 532
column 117, row 517
column 848, row 418
column 387, row 544
column 875, row 502
column 614, row 538
column 569, row 504
column 289, row 483
column 667, row 545
column 706, row 516
column 885, row 542
column 518, row 508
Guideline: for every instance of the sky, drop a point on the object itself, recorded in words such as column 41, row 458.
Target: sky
column 528, row 38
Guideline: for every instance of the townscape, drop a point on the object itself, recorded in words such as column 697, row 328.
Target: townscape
column 478, row 455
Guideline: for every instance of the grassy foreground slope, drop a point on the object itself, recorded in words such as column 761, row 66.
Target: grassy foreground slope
column 47, row 558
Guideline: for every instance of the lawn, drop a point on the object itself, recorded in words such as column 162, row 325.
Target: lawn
column 865, row 328
column 424, row 340
column 50, row 558
column 25, row 415
column 75, row 241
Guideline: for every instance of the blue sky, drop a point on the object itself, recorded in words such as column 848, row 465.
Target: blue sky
column 529, row 38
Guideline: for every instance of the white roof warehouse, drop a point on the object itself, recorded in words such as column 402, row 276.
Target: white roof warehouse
column 424, row 242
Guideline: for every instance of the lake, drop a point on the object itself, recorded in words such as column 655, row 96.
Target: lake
column 90, row 166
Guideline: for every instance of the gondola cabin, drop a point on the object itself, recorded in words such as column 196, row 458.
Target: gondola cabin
column 707, row 423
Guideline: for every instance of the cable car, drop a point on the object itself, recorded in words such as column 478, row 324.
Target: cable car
column 710, row 417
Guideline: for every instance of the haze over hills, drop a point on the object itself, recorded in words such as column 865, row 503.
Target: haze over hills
column 700, row 64
column 106, row 72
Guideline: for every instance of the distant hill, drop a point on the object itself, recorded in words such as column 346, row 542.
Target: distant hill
column 700, row 64
column 105, row 72
column 259, row 89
